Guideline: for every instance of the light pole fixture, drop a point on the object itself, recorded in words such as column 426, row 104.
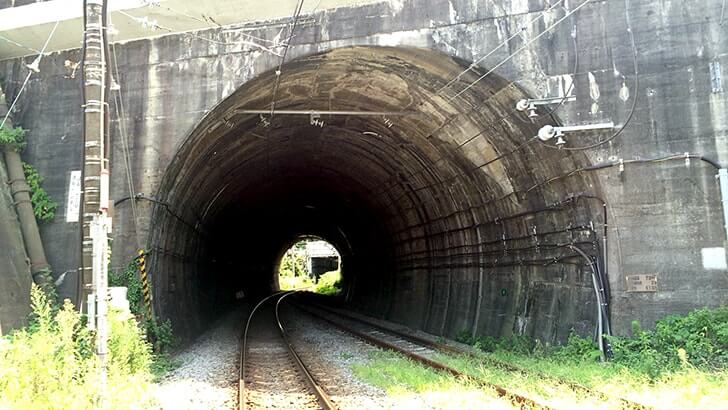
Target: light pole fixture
column 549, row 132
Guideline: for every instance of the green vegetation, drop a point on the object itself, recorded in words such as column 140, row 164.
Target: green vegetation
column 399, row 376
column 293, row 273
column 680, row 364
column 13, row 137
column 329, row 283
column 51, row 365
column 44, row 207
column 158, row 333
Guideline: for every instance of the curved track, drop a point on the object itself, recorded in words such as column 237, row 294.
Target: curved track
column 269, row 363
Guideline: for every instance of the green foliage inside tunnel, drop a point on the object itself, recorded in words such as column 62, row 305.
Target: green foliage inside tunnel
column 311, row 264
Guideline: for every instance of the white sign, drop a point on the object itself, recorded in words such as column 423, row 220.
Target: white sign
column 714, row 259
column 73, row 206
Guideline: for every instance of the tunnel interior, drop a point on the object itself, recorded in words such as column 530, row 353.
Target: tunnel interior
column 445, row 211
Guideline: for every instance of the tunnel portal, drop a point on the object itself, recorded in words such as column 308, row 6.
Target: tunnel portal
column 448, row 214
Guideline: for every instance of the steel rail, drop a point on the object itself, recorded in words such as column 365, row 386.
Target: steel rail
column 524, row 402
column 321, row 396
column 445, row 348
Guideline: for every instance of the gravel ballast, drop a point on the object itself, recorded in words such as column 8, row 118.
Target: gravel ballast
column 208, row 374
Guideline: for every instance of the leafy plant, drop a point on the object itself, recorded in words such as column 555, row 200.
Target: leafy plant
column 129, row 278
column 13, row 138
column 329, row 283
column 700, row 337
column 44, row 207
column 578, row 349
column 50, row 364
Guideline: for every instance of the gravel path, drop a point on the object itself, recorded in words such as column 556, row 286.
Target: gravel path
column 207, row 377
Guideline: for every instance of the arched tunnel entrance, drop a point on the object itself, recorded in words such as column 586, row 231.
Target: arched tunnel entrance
column 447, row 216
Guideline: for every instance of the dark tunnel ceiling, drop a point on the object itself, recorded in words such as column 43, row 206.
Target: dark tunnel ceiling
column 393, row 193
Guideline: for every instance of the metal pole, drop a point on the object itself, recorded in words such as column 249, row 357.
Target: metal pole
column 94, row 77
column 99, row 236
column 96, row 224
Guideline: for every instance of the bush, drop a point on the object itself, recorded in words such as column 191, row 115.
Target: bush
column 578, row 349
column 12, row 137
column 51, row 365
column 329, row 283
column 701, row 338
column 44, row 208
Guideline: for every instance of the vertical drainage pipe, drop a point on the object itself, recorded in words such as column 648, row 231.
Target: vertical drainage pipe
column 20, row 191
column 723, row 177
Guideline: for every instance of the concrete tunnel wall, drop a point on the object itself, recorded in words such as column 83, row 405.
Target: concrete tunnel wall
column 663, row 217
column 418, row 204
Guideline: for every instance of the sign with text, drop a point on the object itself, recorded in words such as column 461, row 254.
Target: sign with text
column 73, row 205
column 642, row 283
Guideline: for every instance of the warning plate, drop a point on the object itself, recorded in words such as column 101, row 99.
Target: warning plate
column 642, row 283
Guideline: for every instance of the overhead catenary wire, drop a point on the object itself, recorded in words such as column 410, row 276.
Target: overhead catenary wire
column 121, row 118
column 498, row 47
column 525, row 46
column 277, row 81
column 30, row 73
column 15, row 43
column 205, row 20
column 511, row 114
column 155, row 26
column 634, row 99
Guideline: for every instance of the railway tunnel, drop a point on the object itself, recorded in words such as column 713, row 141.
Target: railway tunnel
column 448, row 214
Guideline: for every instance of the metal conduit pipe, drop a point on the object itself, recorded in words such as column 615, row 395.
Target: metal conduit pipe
column 600, row 302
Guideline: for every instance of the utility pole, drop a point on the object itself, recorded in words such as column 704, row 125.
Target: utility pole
column 96, row 223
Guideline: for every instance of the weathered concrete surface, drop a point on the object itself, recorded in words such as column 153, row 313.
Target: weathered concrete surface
column 661, row 214
column 14, row 264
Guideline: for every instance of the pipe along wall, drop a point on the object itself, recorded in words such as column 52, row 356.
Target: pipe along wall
column 444, row 210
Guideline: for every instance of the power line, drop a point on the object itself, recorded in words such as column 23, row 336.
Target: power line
column 498, row 47
column 33, row 66
column 296, row 15
column 507, row 59
column 153, row 25
column 15, row 43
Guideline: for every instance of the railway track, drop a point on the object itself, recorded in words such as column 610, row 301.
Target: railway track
column 269, row 363
column 422, row 350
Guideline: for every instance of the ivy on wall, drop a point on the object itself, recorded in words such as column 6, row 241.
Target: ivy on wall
column 13, row 137
column 44, row 207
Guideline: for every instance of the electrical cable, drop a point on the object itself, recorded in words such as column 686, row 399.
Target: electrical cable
column 155, row 26
column 30, row 72
column 507, row 116
column 206, row 20
column 15, row 43
column 528, row 44
column 121, row 118
column 498, row 47
column 277, row 82
column 634, row 100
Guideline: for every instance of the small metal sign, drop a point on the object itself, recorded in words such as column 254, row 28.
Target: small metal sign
column 642, row 283
column 73, row 205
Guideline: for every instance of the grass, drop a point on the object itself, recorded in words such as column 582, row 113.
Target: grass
column 688, row 387
column 404, row 379
column 51, row 365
